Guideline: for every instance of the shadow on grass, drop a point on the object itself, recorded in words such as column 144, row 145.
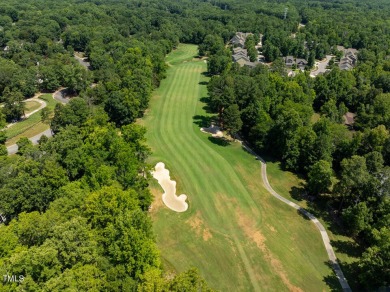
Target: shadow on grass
column 203, row 83
column 206, row 101
column 331, row 280
column 351, row 272
column 247, row 151
column 219, row 141
column 298, row 193
column 350, row 248
column 202, row 121
column 303, row 213
column 322, row 208
column 268, row 158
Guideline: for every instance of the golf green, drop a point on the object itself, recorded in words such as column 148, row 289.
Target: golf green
column 238, row 235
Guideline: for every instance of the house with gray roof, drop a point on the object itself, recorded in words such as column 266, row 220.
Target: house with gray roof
column 238, row 57
column 289, row 61
column 239, row 50
column 301, row 63
column 239, row 39
column 240, row 54
column 349, row 59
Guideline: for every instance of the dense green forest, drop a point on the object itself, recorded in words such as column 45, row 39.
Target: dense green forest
column 299, row 120
column 76, row 205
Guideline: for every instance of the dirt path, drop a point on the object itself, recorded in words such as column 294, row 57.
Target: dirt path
column 325, row 238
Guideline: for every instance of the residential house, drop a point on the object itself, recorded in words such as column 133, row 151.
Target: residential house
column 349, row 59
column 239, row 39
column 345, row 65
column 240, row 54
column 301, row 63
column 236, row 58
column 243, row 60
column 251, row 65
column 240, row 51
column 289, row 61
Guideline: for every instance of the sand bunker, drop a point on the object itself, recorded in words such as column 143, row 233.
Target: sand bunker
column 173, row 202
column 214, row 130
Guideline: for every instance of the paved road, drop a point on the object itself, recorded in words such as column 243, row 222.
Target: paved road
column 82, row 62
column 60, row 95
column 321, row 66
column 325, row 238
column 14, row 148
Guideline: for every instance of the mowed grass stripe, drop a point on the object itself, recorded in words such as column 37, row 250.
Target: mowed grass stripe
column 187, row 148
column 286, row 231
column 163, row 121
column 223, row 190
column 221, row 181
column 192, row 149
column 186, row 153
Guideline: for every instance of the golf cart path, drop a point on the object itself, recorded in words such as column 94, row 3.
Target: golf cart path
column 43, row 104
column 36, row 98
column 325, row 238
column 12, row 149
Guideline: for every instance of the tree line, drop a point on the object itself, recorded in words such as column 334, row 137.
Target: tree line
column 53, row 195
column 301, row 120
column 76, row 206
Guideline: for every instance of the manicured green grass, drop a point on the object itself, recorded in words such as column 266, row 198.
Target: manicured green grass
column 238, row 235
column 181, row 55
column 32, row 125
column 291, row 187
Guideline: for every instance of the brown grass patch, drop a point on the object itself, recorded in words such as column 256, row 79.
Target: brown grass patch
column 157, row 202
column 207, row 234
column 197, row 224
column 249, row 228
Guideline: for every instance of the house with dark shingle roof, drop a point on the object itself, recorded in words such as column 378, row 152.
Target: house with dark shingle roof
column 301, row 63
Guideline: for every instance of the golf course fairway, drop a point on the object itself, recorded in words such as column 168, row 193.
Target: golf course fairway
column 237, row 234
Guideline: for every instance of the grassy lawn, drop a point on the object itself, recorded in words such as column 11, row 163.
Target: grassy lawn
column 238, row 235
column 31, row 106
column 290, row 186
column 32, row 125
